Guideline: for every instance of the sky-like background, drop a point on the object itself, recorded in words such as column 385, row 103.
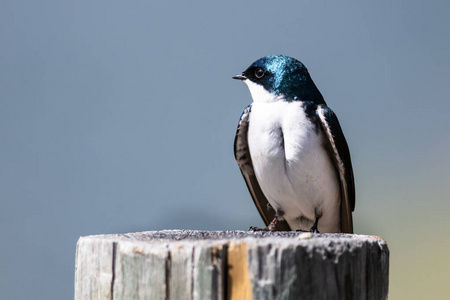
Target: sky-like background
column 119, row 116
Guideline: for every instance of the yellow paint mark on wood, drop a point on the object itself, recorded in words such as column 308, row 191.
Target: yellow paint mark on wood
column 239, row 284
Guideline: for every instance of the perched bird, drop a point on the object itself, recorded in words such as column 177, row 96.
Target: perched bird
column 292, row 152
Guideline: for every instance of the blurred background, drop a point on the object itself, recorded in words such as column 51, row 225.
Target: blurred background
column 119, row 116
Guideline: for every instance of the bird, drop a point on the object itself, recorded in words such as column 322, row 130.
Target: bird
column 292, row 152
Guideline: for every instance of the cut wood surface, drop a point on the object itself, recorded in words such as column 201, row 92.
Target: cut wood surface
column 222, row 265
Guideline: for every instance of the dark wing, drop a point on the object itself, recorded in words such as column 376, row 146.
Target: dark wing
column 242, row 155
column 340, row 154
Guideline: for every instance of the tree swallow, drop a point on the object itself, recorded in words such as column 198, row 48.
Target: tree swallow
column 292, row 152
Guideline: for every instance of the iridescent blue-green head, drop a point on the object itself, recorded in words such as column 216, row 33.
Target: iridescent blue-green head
column 276, row 77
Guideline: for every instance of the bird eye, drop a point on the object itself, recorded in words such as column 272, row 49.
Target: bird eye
column 259, row 72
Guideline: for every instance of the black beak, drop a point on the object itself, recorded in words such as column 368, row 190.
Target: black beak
column 240, row 77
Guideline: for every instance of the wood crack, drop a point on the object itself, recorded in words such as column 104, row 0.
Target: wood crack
column 113, row 277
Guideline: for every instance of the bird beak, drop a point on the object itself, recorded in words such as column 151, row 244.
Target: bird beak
column 240, row 77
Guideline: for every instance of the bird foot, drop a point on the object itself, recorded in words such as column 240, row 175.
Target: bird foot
column 314, row 227
column 314, row 230
column 254, row 229
column 271, row 226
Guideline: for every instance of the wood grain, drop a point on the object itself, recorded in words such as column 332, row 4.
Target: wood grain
column 222, row 265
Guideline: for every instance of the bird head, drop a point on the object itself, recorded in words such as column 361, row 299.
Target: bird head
column 278, row 77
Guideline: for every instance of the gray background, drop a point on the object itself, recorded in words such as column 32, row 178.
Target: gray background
column 119, row 116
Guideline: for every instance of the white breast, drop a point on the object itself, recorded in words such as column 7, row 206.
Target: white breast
column 293, row 169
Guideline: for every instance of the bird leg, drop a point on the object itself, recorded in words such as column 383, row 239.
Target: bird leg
column 314, row 227
column 278, row 217
column 271, row 226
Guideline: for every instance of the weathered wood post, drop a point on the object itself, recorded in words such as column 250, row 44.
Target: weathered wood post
column 222, row 265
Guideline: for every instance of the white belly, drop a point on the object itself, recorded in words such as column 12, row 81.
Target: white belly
column 293, row 169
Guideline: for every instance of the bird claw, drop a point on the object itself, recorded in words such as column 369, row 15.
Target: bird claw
column 314, row 230
column 255, row 229
column 271, row 226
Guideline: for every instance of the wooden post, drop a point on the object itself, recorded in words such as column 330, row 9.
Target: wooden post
column 229, row 265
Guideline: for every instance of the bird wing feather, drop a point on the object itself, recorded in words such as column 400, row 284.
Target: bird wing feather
column 340, row 154
column 242, row 155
